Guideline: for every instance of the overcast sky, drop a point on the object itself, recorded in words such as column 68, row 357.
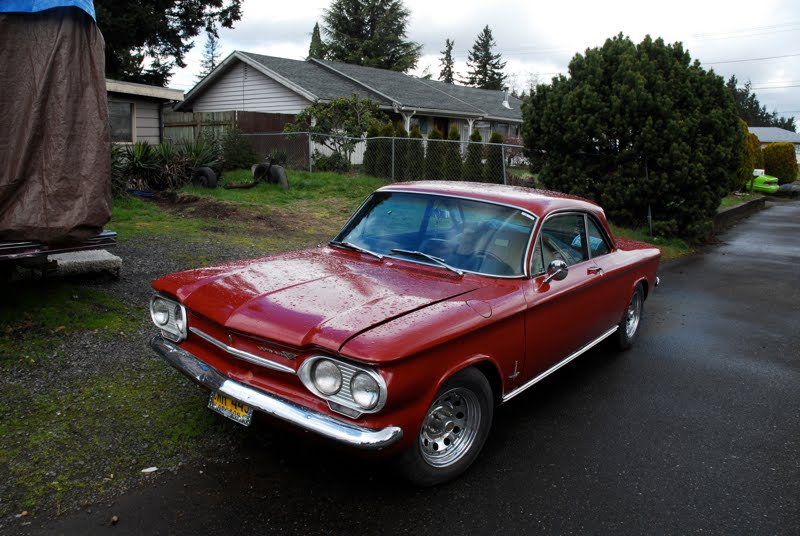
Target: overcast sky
column 755, row 40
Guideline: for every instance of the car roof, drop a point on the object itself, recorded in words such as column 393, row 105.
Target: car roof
column 538, row 202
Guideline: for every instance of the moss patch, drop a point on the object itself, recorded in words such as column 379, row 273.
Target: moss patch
column 80, row 440
column 37, row 314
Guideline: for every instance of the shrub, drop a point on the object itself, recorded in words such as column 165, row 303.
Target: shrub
column 493, row 172
column 434, row 155
column 473, row 165
column 415, row 156
column 401, row 153
column 637, row 126
column 384, row 154
column 237, row 151
column 370, row 156
column 451, row 169
column 335, row 162
column 119, row 180
column 780, row 161
column 750, row 160
column 279, row 157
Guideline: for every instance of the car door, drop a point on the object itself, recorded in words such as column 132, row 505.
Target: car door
column 562, row 316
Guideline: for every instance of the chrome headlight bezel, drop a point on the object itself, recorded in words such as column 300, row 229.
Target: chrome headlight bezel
column 174, row 329
column 342, row 401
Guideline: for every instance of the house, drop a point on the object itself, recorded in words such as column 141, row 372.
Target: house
column 252, row 82
column 135, row 111
column 767, row 135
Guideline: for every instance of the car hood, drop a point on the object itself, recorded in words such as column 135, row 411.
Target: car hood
column 321, row 297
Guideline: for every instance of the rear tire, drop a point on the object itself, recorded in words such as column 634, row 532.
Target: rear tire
column 453, row 431
column 628, row 329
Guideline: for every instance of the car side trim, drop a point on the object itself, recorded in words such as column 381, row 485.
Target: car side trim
column 558, row 365
column 244, row 356
column 307, row 419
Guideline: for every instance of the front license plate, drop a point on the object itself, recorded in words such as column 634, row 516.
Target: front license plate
column 232, row 409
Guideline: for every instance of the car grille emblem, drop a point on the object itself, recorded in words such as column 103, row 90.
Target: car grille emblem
column 285, row 355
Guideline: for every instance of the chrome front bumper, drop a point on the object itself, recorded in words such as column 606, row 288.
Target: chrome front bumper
column 340, row 431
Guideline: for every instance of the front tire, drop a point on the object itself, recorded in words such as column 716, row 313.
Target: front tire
column 453, row 431
column 628, row 330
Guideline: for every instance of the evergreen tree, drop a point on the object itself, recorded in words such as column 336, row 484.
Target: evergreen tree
column 370, row 33
column 473, row 165
column 753, row 113
column 452, row 156
column 384, row 164
column 416, row 155
column 146, row 40
column 484, row 69
column 316, row 50
column 493, row 172
column 434, row 155
column 447, row 74
column 401, row 144
column 370, row 153
column 211, row 54
column 638, row 127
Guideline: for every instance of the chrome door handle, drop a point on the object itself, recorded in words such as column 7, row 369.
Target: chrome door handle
column 594, row 270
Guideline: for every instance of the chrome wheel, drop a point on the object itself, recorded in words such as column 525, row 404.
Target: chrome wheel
column 450, row 427
column 633, row 315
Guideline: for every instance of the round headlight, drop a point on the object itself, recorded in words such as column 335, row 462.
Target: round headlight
column 365, row 390
column 327, row 377
column 160, row 312
column 179, row 320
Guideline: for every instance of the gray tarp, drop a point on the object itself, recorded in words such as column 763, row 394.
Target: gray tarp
column 54, row 140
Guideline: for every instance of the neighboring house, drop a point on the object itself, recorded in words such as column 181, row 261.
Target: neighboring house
column 135, row 110
column 256, row 83
column 767, row 135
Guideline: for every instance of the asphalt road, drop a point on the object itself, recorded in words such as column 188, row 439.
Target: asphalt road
column 694, row 430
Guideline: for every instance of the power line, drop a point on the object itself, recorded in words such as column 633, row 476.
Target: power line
column 751, row 59
column 776, row 87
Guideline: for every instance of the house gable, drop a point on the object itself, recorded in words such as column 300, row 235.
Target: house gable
column 244, row 88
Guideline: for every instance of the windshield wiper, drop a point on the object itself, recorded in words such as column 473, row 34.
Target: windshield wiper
column 354, row 247
column 437, row 260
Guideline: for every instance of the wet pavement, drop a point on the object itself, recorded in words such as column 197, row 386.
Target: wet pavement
column 694, row 430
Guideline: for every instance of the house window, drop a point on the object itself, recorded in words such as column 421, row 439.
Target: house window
column 120, row 119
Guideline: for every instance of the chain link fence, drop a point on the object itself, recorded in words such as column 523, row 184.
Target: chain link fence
column 396, row 159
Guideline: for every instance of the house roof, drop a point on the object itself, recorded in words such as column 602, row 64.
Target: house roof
column 326, row 80
column 143, row 90
column 774, row 135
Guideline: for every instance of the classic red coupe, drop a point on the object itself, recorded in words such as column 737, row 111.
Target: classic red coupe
column 436, row 302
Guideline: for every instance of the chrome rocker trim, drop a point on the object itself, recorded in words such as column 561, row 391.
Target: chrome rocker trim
column 560, row 364
column 312, row 421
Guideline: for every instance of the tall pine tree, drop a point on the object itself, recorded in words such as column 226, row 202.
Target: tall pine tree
column 485, row 70
column 370, row 33
column 211, row 54
column 316, row 49
column 447, row 74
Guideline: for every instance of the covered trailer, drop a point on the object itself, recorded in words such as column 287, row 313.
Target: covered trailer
column 55, row 147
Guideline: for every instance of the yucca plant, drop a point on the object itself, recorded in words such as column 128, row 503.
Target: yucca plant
column 142, row 164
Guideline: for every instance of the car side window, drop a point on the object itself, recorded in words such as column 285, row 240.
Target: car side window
column 597, row 243
column 562, row 238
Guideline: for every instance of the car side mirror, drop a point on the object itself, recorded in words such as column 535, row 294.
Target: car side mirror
column 557, row 270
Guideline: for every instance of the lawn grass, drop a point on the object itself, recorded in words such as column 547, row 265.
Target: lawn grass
column 671, row 248
column 265, row 218
column 736, row 199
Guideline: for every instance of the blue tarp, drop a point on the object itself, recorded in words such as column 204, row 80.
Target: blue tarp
column 32, row 6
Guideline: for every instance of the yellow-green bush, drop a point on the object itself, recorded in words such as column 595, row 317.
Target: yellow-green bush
column 780, row 161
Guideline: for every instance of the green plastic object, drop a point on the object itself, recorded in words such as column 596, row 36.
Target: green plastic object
column 765, row 184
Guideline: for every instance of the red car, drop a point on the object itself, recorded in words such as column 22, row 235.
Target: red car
column 436, row 302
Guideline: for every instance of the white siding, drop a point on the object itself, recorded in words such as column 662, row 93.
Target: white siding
column 244, row 88
column 147, row 127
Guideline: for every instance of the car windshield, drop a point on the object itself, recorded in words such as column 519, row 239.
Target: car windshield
column 463, row 235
